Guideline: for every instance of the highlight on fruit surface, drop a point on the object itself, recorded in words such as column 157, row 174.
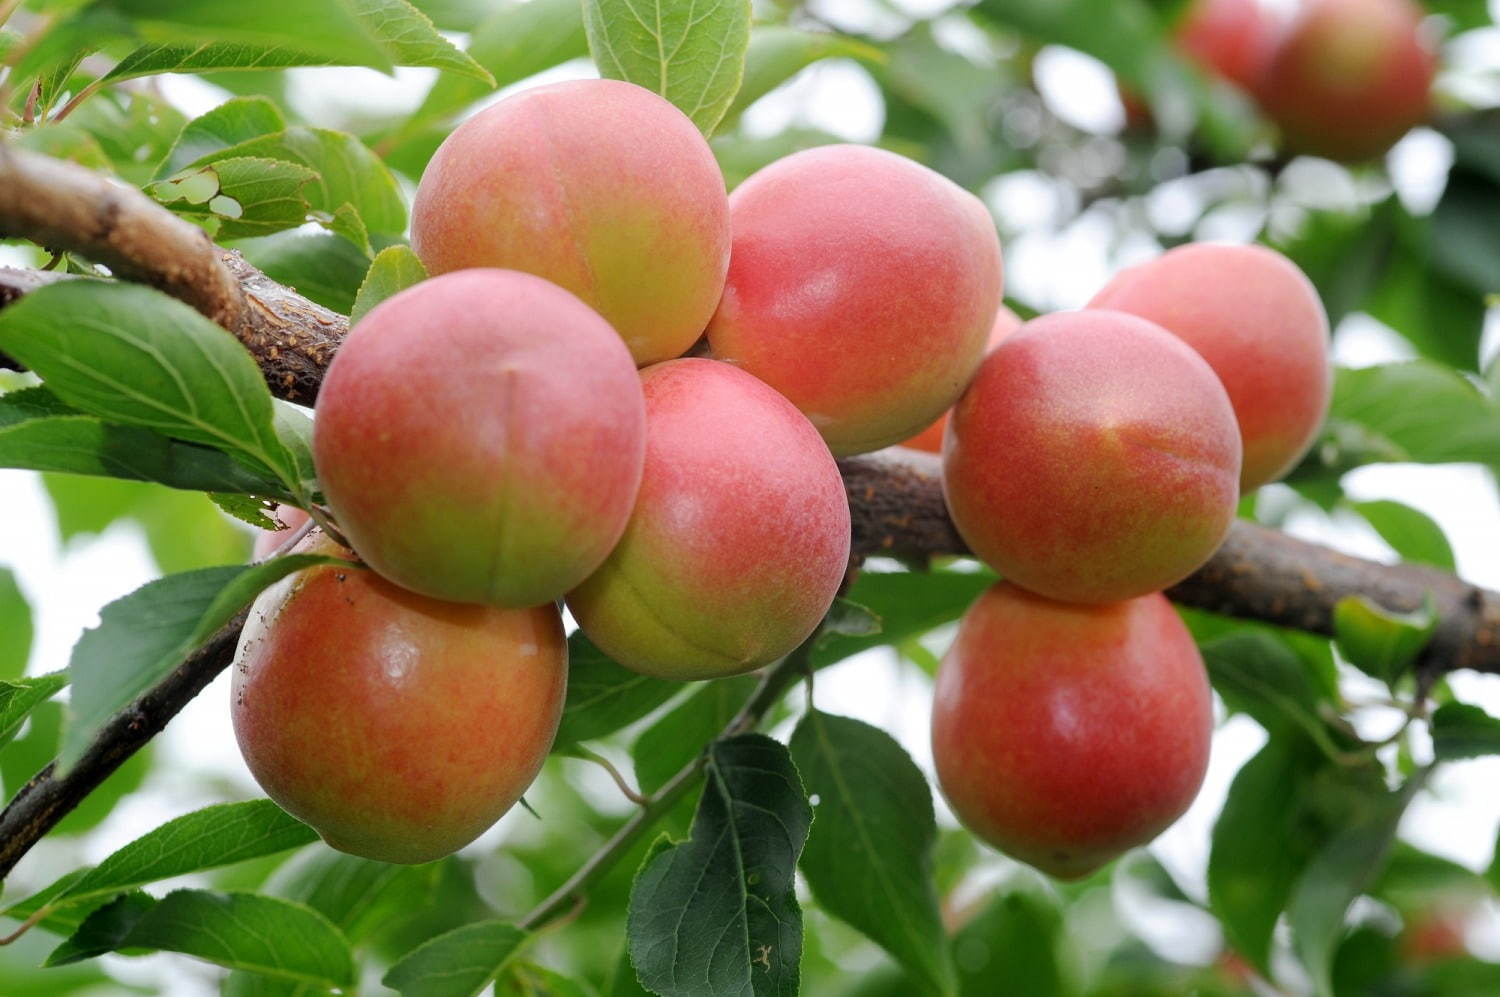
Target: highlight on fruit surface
column 931, row 438
column 397, row 726
column 1259, row 323
column 739, row 538
column 480, row 437
column 1064, row 734
column 1095, row 457
column 600, row 186
column 861, row 286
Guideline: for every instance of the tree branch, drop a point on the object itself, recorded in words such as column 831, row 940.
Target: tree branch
column 62, row 206
column 1259, row 573
column 47, row 797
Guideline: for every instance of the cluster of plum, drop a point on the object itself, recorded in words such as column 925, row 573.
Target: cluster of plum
column 524, row 428
column 1343, row 78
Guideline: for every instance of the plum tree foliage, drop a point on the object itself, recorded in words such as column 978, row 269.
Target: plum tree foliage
column 610, row 345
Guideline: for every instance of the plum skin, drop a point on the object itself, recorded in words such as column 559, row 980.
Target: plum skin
column 1065, row 734
column 480, row 437
column 1094, row 458
column 739, row 539
column 600, row 186
column 399, row 727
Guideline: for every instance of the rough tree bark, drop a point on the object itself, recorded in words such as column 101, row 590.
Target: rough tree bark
column 895, row 497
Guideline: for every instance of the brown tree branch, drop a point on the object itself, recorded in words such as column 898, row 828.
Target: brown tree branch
column 62, row 206
column 47, row 798
column 1259, row 573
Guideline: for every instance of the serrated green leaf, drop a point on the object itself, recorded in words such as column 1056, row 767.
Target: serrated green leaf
column 717, row 914
column 359, row 895
column 846, row 618
column 459, row 963
column 1336, row 875
column 1411, row 533
column 1382, row 644
column 869, row 855
column 204, row 839
column 132, row 355
column 692, row 54
column 246, row 508
column 249, row 196
column 82, row 444
column 1259, row 847
column 144, row 635
column 527, row 979
column 353, row 193
column 236, row 930
column 1462, row 730
column 1443, row 417
column 516, row 40
column 232, row 122
column 323, row 27
column 394, row 269
column 410, row 38
column 604, row 696
column 16, row 630
column 18, row 697
column 679, row 736
column 1259, row 675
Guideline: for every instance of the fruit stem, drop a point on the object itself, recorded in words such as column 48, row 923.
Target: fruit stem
column 776, row 680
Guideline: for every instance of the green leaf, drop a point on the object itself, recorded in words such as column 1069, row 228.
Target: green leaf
column 15, row 614
column 1337, row 875
column 516, row 40
column 1015, row 945
column 457, row 964
column 19, row 697
column 869, row 855
column 132, row 355
column 1259, row 845
column 1462, row 730
column 717, row 914
column 907, row 604
column 1411, row 533
column 353, row 193
column 33, row 438
column 409, row 36
column 143, row 636
column 320, row 265
column 403, row 31
column 360, row 896
column 232, row 122
column 777, row 53
column 204, row 839
column 237, row 930
column 394, row 269
column 1380, row 643
column 604, row 696
column 1260, row 675
column 1443, row 417
column 323, row 27
column 527, row 979
column 241, row 197
column 680, row 736
column 692, row 54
